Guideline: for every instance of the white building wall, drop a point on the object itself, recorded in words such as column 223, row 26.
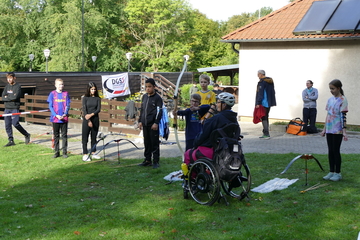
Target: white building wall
column 291, row 64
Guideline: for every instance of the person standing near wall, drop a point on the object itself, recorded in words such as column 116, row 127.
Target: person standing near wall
column 91, row 107
column 11, row 98
column 335, row 128
column 265, row 96
column 309, row 96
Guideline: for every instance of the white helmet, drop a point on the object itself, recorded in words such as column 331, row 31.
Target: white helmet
column 227, row 98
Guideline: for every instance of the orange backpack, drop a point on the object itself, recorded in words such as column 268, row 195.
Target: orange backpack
column 296, row 127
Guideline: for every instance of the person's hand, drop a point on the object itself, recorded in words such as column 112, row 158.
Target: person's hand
column 193, row 109
column 59, row 117
column 322, row 133
column 140, row 125
column 257, row 106
column 88, row 116
column 154, row 127
column 345, row 137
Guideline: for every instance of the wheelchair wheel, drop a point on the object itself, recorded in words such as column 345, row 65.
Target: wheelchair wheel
column 204, row 184
column 239, row 187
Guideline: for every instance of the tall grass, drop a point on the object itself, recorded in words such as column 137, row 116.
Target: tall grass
column 45, row 198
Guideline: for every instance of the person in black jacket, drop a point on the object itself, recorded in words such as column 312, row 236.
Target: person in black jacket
column 202, row 143
column 265, row 96
column 11, row 97
column 150, row 116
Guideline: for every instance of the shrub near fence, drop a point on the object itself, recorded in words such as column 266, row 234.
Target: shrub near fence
column 112, row 115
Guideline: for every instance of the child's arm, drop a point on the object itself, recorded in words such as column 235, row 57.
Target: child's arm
column 343, row 122
column 67, row 108
column 211, row 112
column 324, row 130
column 51, row 104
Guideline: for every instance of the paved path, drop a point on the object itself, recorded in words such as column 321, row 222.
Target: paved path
column 279, row 143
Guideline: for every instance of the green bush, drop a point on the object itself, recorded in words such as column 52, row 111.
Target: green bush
column 180, row 124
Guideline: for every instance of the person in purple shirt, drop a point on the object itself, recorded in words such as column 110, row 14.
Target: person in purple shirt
column 59, row 105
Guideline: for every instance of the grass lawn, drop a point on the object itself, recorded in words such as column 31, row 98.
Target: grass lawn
column 45, row 198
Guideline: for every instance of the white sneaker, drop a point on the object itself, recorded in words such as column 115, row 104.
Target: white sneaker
column 86, row 158
column 336, row 177
column 95, row 156
column 328, row 176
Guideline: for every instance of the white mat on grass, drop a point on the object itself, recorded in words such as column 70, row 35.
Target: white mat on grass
column 274, row 184
column 174, row 176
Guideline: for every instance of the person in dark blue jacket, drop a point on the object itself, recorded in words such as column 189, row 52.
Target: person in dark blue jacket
column 202, row 143
column 193, row 116
column 150, row 116
column 265, row 96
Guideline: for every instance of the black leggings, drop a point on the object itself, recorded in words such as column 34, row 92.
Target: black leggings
column 334, row 143
column 86, row 130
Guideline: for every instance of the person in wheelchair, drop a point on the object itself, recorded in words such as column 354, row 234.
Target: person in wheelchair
column 202, row 144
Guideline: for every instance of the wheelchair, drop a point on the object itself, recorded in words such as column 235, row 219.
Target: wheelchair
column 203, row 183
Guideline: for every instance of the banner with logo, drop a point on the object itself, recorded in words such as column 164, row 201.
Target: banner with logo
column 115, row 85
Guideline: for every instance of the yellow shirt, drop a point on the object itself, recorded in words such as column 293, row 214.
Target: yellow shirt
column 207, row 97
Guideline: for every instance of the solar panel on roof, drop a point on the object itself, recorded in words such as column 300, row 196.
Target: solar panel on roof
column 316, row 17
column 345, row 19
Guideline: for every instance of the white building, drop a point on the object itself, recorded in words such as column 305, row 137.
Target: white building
column 295, row 44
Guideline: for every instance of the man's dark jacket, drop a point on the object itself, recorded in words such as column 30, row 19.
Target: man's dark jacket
column 265, row 84
column 11, row 96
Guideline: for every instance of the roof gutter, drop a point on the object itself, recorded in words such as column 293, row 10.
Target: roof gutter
column 233, row 42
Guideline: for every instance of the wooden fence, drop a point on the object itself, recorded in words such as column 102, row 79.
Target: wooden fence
column 112, row 115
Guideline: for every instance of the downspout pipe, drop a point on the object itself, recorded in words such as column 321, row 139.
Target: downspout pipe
column 233, row 47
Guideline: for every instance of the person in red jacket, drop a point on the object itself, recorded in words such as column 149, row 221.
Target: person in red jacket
column 265, row 96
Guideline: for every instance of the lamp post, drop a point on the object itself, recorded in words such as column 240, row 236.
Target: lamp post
column 46, row 54
column 128, row 57
column 31, row 57
column 94, row 60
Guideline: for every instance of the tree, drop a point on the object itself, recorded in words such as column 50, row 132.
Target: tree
column 161, row 30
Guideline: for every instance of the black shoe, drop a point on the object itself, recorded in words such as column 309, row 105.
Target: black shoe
column 10, row 143
column 145, row 164
column 27, row 139
column 156, row 165
column 56, row 155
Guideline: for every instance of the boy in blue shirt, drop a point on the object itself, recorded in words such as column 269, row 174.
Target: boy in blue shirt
column 193, row 116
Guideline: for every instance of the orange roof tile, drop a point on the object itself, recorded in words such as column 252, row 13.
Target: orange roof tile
column 279, row 26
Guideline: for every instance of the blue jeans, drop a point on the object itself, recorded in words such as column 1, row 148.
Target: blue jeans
column 14, row 121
